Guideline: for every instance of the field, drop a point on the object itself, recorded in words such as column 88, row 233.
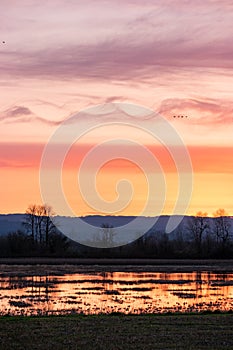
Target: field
column 116, row 332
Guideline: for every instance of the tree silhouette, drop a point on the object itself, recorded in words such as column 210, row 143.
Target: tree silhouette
column 222, row 228
column 49, row 227
column 198, row 226
column 30, row 220
column 38, row 222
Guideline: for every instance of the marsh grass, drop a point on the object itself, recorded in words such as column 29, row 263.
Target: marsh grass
column 117, row 331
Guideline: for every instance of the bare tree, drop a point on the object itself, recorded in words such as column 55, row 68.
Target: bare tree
column 198, row 226
column 49, row 227
column 38, row 222
column 222, row 227
column 30, row 220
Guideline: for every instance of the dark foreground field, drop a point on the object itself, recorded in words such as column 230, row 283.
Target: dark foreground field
column 106, row 332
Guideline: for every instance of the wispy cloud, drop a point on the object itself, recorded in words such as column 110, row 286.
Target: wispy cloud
column 105, row 112
column 131, row 44
column 201, row 112
column 116, row 59
column 13, row 164
column 21, row 114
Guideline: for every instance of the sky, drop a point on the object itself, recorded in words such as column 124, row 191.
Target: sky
column 58, row 58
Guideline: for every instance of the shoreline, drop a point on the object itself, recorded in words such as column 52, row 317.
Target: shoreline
column 72, row 266
column 113, row 261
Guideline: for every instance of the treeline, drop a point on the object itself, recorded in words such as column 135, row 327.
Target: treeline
column 40, row 236
column 200, row 239
column 159, row 246
column 20, row 244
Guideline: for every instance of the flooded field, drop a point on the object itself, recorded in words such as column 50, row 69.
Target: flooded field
column 29, row 291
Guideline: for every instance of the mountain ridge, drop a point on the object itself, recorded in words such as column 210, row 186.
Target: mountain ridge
column 13, row 222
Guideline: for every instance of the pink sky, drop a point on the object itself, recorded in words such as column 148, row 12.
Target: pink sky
column 59, row 57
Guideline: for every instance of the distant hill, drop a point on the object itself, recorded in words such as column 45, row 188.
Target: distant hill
column 10, row 223
column 13, row 222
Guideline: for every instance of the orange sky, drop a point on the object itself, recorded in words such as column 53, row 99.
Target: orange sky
column 212, row 187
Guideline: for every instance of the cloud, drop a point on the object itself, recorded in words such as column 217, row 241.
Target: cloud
column 200, row 112
column 21, row 114
column 14, row 113
column 12, row 164
column 18, row 111
column 203, row 111
column 114, row 99
column 118, row 59
column 144, row 41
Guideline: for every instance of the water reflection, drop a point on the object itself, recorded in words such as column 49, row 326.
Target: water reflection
column 107, row 292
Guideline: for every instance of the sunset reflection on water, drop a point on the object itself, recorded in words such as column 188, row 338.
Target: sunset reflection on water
column 107, row 292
